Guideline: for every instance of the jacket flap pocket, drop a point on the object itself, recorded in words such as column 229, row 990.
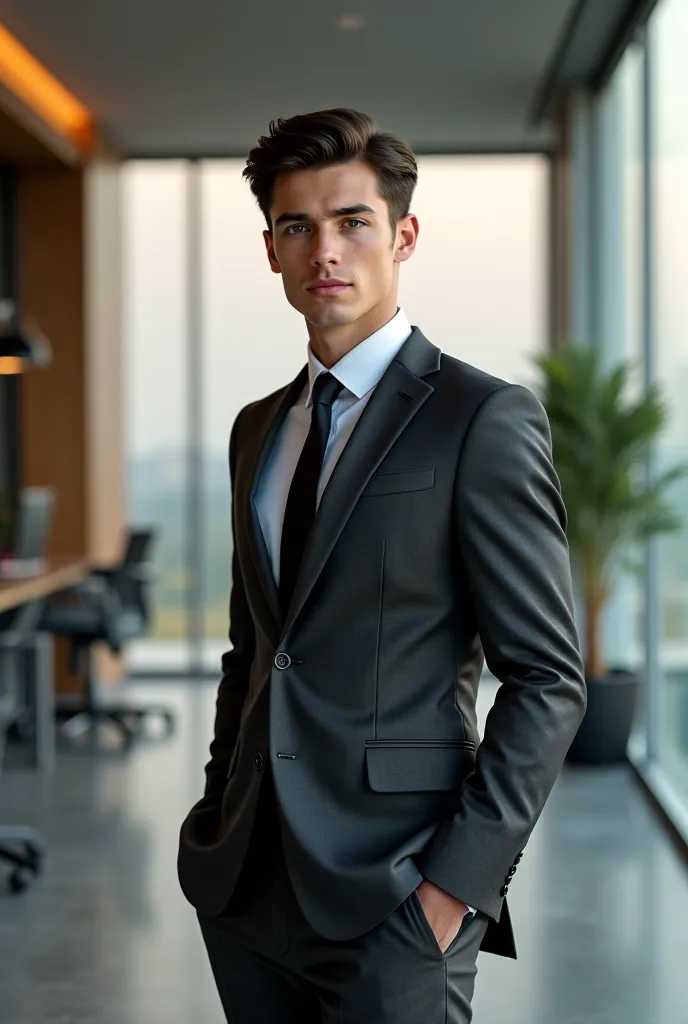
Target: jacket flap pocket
column 394, row 483
column 405, row 769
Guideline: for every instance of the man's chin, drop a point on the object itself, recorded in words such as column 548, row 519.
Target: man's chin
column 331, row 317
column 337, row 311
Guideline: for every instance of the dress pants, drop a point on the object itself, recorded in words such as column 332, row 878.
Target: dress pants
column 271, row 967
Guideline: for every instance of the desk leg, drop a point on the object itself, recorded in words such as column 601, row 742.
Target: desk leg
column 41, row 681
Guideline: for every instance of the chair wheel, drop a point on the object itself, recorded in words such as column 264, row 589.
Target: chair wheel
column 20, row 880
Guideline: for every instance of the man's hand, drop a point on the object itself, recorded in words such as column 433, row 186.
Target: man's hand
column 444, row 912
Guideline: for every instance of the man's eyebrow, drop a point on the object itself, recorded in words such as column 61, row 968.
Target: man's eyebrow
column 344, row 211
column 350, row 211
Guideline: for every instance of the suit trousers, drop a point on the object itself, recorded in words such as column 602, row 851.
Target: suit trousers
column 271, row 967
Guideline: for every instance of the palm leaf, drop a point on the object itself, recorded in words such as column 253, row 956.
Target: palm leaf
column 601, row 440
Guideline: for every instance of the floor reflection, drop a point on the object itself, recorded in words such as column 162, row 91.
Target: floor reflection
column 599, row 903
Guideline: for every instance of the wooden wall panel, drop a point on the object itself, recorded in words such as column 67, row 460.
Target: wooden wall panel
column 51, row 289
column 72, row 437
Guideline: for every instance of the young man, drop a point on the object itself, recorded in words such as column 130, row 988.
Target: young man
column 395, row 515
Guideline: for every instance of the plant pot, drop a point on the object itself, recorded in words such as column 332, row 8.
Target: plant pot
column 603, row 734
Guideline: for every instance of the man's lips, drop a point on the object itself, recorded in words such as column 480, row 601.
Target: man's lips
column 328, row 287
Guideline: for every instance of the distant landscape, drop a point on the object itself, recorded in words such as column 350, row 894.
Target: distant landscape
column 157, row 496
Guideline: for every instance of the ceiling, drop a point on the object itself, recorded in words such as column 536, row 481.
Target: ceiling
column 175, row 77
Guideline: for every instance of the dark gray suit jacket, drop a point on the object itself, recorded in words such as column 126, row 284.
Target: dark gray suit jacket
column 440, row 536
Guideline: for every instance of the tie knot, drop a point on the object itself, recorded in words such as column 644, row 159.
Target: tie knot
column 326, row 389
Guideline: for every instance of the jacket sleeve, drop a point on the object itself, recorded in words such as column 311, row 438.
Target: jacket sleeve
column 236, row 663
column 510, row 524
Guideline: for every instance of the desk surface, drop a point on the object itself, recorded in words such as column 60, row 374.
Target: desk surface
column 59, row 573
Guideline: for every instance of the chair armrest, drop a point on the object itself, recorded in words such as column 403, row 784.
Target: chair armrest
column 92, row 586
column 140, row 573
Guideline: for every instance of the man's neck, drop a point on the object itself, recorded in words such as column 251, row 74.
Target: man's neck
column 330, row 344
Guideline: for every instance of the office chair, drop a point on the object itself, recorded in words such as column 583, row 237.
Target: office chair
column 20, row 845
column 111, row 605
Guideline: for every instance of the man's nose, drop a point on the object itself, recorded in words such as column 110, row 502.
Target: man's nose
column 325, row 251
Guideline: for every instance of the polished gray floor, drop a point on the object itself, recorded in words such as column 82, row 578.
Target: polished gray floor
column 600, row 900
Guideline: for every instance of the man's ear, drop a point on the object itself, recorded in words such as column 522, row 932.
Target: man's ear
column 270, row 249
column 406, row 238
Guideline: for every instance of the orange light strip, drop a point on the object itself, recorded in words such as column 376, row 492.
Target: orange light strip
column 11, row 364
column 38, row 89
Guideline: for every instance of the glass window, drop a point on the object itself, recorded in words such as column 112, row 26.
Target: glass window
column 609, row 175
column 669, row 31
column 628, row 85
column 477, row 282
column 155, row 339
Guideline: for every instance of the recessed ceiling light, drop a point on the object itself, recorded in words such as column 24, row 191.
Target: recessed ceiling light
column 350, row 22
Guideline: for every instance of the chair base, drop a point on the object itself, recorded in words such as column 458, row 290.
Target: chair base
column 82, row 727
column 23, row 848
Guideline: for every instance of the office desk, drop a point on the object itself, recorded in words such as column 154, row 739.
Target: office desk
column 59, row 573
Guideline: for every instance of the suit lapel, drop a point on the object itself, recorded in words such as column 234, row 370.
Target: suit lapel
column 261, row 445
column 398, row 397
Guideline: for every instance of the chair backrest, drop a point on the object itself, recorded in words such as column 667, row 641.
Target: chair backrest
column 139, row 543
column 130, row 580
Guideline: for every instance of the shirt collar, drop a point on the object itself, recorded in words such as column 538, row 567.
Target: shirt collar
column 364, row 366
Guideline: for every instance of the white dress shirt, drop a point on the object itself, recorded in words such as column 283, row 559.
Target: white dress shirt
column 360, row 371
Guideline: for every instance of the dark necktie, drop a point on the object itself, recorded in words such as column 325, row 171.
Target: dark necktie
column 301, row 503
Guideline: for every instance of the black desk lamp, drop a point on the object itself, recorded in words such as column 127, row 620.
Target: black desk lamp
column 22, row 344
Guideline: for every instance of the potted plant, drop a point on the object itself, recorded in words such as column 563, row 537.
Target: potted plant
column 601, row 440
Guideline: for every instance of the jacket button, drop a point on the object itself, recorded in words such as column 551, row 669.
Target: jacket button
column 259, row 761
column 504, row 890
column 282, row 661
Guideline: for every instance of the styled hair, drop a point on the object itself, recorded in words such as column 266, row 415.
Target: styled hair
column 328, row 137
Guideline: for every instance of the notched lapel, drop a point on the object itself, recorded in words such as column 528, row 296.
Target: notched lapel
column 259, row 446
column 398, row 397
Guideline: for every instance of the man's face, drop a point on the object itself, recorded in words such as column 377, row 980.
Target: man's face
column 331, row 225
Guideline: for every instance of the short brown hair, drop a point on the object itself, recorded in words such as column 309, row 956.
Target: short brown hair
column 329, row 137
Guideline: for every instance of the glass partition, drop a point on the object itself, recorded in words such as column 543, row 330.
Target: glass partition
column 668, row 34
column 155, row 416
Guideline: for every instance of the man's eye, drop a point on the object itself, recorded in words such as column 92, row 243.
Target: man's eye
column 355, row 220
column 292, row 229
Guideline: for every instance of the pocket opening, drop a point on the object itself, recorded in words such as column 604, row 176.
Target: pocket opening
column 414, row 743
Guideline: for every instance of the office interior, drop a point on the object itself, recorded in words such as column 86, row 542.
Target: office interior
column 138, row 315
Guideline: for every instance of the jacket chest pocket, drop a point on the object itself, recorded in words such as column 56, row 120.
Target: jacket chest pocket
column 398, row 483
